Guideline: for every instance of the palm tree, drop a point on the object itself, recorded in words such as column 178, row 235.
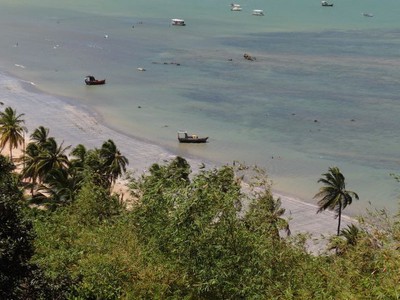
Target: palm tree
column 79, row 157
column 31, row 157
column 113, row 162
column 40, row 136
column 333, row 195
column 63, row 184
column 32, row 152
column 349, row 237
column 51, row 157
column 11, row 129
column 351, row 234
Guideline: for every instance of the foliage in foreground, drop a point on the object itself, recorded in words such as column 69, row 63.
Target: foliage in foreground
column 19, row 279
column 198, row 237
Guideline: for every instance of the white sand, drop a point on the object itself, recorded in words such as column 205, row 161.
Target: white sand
column 74, row 126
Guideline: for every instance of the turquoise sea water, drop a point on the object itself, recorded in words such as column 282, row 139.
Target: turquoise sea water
column 323, row 90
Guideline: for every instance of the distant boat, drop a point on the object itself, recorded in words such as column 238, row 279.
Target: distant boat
column 184, row 137
column 325, row 3
column 258, row 12
column 235, row 7
column 90, row 80
column 367, row 15
column 178, row 22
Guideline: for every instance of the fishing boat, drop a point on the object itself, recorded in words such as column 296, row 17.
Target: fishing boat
column 325, row 3
column 258, row 12
column 184, row 137
column 90, row 80
column 178, row 22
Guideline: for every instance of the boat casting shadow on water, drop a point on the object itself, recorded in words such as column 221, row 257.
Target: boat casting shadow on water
column 90, row 80
column 184, row 137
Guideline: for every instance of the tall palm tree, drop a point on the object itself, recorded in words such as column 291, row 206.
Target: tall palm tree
column 114, row 163
column 11, row 129
column 333, row 195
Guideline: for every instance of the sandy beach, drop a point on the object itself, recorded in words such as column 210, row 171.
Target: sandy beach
column 75, row 125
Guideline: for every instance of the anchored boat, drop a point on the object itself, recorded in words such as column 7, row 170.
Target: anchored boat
column 90, row 80
column 184, row 137
column 258, row 12
column 178, row 22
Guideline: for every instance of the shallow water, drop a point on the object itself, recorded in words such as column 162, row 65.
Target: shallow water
column 323, row 90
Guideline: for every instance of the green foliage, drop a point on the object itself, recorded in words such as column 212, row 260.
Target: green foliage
column 201, row 237
column 197, row 225
column 99, row 261
column 94, row 203
column 265, row 216
column 16, row 236
column 62, row 185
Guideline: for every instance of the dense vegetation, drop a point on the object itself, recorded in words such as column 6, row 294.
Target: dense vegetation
column 187, row 236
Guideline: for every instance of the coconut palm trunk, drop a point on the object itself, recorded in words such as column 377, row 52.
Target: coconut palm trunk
column 339, row 217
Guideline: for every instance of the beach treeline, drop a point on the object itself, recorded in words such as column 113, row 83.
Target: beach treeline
column 218, row 233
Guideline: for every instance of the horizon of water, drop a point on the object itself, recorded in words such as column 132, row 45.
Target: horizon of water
column 323, row 90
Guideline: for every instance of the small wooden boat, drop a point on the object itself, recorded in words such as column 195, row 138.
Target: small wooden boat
column 184, row 137
column 90, row 80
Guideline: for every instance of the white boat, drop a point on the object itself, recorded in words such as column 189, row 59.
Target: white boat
column 178, row 22
column 235, row 7
column 258, row 12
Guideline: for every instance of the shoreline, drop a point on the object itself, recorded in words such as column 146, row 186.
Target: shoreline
column 72, row 124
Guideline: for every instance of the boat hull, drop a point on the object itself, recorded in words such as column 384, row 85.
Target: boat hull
column 193, row 140
column 96, row 82
column 178, row 22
